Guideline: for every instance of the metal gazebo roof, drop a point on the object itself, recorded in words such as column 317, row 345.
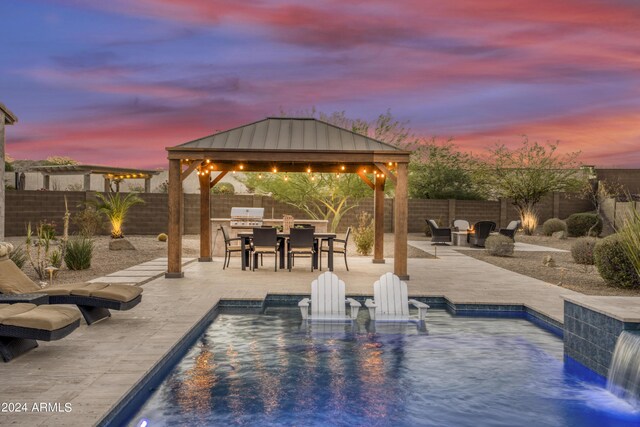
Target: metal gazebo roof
column 283, row 133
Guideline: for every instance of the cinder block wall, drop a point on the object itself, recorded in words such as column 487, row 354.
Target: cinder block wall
column 152, row 217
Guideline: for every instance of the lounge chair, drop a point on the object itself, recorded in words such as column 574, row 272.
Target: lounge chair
column 22, row 324
column 328, row 300
column 510, row 230
column 439, row 234
column 391, row 301
column 481, row 230
column 93, row 299
column 461, row 224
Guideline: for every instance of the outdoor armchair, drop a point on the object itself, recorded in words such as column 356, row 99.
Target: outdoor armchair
column 481, row 230
column 510, row 230
column 439, row 234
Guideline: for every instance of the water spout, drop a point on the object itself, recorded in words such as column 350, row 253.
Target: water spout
column 624, row 372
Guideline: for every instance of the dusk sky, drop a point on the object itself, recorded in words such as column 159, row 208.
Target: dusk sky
column 116, row 81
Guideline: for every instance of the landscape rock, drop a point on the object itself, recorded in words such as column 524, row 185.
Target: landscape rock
column 121, row 245
column 548, row 261
column 562, row 235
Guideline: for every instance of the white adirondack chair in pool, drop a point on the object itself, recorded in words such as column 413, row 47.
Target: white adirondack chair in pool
column 328, row 300
column 391, row 301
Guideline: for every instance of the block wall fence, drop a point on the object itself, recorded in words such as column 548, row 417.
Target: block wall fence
column 23, row 207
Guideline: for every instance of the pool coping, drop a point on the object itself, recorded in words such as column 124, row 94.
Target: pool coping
column 122, row 410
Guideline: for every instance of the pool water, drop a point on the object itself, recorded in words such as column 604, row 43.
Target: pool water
column 272, row 369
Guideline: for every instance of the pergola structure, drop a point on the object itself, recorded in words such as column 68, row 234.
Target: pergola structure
column 280, row 145
column 110, row 174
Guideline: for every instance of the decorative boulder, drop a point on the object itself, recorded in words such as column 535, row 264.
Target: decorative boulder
column 5, row 249
column 548, row 261
column 121, row 245
column 562, row 235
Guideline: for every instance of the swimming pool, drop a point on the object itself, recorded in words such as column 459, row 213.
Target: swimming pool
column 272, row 369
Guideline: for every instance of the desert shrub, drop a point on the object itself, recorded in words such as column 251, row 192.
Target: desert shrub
column 75, row 187
column 79, row 253
column 553, row 225
column 223, row 188
column 47, row 229
column 581, row 224
column 162, row 237
column 55, row 258
column 363, row 235
column 582, row 250
column 630, row 237
column 614, row 264
column 18, row 256
column 499, row 245
column 529, row 219
column 89, row 222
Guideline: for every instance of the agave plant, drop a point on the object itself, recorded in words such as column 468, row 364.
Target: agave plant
column 115, row 207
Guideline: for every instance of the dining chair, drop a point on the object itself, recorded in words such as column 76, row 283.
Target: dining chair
column 339, row 249
column 265, row 241
column 229, row 247
column 301, row 242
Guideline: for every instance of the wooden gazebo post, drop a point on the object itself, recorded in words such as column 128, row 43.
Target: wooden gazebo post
column 205, row 218
column 378, row 219
column 174, row 264
column 401, row 212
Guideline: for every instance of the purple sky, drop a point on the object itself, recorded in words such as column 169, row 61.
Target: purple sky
column 114, row 82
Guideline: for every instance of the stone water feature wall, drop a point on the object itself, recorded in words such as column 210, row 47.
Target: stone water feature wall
column 592, row 326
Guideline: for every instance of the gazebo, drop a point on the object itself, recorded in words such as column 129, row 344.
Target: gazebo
column 281, row 144
column 109, row 173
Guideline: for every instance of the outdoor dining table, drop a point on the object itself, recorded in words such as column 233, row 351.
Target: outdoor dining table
column 245, row 238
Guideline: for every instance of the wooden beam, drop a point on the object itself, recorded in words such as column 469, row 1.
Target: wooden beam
column 385, row 170
column 205, row 218
column 378, row 220
column 401, row 213
column 366, row 180
column 192, row 166
column 174, row 255
column 217, row 178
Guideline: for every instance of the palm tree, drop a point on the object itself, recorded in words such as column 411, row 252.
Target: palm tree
column 115, row 207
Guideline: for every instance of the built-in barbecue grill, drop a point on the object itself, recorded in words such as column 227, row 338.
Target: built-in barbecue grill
column 246, row 217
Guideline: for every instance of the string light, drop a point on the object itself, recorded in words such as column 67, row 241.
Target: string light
column 286, row 177
column 208, row 161
column 260, row 176
column 390, row 164
column 313, row 178
column 342, row 167
column 308, row 170
column 241, row 167
column 211, row 167
column 364, row 171
column 233, row 171
column 275, row 170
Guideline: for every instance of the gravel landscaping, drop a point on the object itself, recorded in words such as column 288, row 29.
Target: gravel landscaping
column 568, row 274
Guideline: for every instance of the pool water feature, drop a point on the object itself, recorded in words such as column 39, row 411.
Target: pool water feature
column 624, row 374
column 272, row 369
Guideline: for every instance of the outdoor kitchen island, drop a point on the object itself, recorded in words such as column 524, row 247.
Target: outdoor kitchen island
column 244, row 219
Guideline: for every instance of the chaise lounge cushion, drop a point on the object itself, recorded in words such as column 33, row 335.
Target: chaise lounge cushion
column 9, row 310
column 122, row 293
column 44, row 317
column 14, row 281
